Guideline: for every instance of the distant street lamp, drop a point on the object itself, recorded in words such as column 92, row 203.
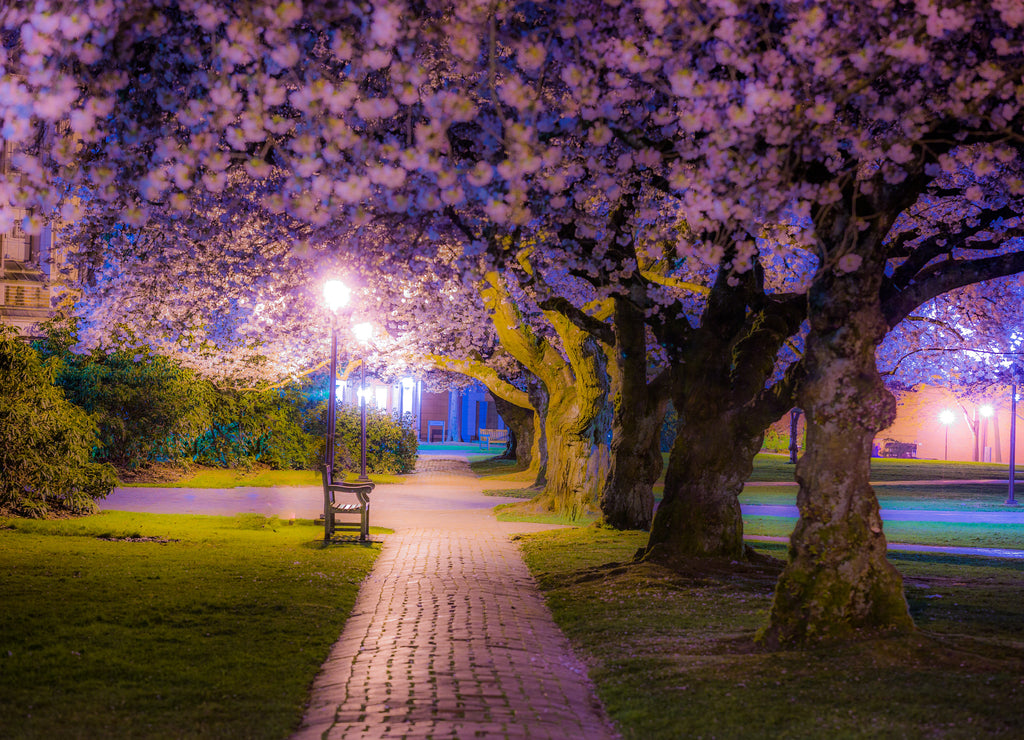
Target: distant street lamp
column 363, row 333
column 946, row 418
column 336, row 294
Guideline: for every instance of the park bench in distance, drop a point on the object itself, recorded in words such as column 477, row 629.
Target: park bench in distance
column 360, row 509
column 486, row 436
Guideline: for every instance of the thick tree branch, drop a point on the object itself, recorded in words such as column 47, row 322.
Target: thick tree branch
column 486, row 375
column 945, row 277
column 593, row 326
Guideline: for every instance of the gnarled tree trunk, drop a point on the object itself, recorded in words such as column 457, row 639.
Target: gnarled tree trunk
column 719, row 391
column 838, row 582
column 699, row 515
column 577, row 429
column 538, row 395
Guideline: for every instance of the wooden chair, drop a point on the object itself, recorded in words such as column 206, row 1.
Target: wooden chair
column 359, row 508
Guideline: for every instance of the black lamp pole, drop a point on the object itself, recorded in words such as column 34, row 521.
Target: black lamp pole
column 1010, row 500
column 794, row 417
column 363, row 477
column 331, row 407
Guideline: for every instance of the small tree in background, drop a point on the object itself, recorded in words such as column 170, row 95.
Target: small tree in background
column 45, row 441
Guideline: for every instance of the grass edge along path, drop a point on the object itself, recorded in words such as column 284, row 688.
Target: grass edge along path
column 673, row 653
column 148, row 625
column 238, row 478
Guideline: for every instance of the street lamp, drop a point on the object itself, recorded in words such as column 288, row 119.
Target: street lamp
column 336, row 294
column 946, row 418
column 363, row 333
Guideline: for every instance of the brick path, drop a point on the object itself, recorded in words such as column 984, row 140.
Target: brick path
column 449, row 638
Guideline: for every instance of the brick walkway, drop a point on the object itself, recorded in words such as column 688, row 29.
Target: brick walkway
column 449, row 638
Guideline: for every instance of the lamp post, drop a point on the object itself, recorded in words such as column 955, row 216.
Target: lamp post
column 1010, row 500
column 946, row 418
column 794, row 417
column 336, row 294
column 363, row 333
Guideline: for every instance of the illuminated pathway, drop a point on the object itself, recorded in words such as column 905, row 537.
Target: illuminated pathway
column 449, row 637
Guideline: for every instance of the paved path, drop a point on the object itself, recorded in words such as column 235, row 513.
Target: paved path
column 449, row 637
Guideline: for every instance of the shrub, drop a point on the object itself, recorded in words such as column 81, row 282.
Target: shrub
column 45, row 441
column 391, row 443
column 147, row 407
column 249, row 427
column 775, row 441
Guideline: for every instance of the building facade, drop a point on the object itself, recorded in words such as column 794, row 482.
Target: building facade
column 28, row 262
column 455, row 415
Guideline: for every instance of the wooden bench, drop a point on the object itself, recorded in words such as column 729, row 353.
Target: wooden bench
column 486, row 436
column 333, row 509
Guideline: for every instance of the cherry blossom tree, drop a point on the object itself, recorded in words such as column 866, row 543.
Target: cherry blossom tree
column 884, row 134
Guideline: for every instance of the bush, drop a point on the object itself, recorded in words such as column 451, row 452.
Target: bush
column 147, row 407
column 775, row 441
column 45, row 441
column 391, row 444
column 249, row 427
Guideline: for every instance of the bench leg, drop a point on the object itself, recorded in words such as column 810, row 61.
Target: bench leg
column 328, row 525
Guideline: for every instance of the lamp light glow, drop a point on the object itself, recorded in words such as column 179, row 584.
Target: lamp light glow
column 363, row 332
column 946, row 417
column 336, row 293
column 985, row 410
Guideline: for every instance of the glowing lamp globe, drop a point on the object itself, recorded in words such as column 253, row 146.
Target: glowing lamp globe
column 985, row 410
column 336, row 293
column 946, row 417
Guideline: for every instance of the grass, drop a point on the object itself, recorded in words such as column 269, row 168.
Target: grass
column 232, row 478
column 777, row 468
column 673, row 654
column 943, row 534
column 167, row 626
column 938, row 496
column 494, row 468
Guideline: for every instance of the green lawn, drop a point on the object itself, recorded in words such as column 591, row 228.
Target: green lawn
column 673, row 654
column 769, row 468
column 160, row 626
column 259, row 478
column 947, row 497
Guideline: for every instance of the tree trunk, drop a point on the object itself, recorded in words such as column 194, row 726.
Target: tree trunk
column 838, row 581
column 711, row 459
column 627, row 499
column 521, row 427
column 577, row 462
column 538, row 395
column 577, row 429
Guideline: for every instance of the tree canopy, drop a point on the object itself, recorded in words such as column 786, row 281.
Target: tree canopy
column 571, row 171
